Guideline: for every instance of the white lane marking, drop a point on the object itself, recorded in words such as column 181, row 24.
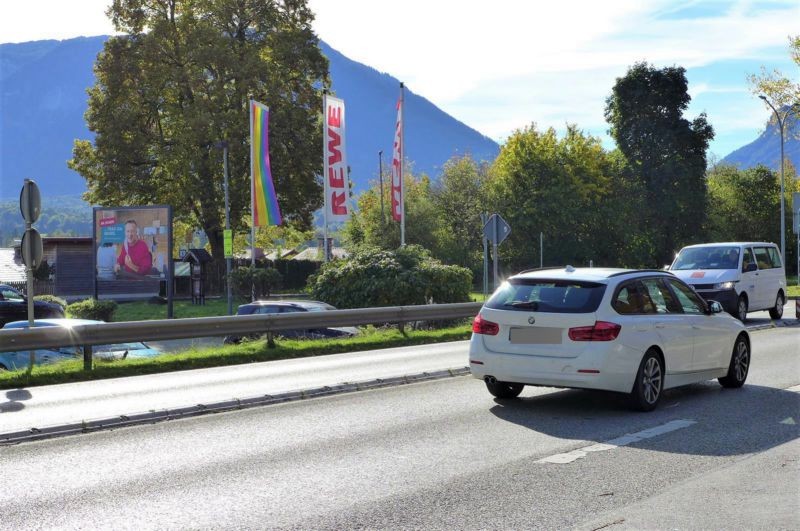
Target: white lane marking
column 788, row 420
column 625, row 440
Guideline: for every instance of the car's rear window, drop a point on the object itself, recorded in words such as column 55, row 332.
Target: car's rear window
column 553, row 296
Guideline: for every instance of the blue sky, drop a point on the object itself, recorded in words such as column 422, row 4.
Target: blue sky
column 501, row 65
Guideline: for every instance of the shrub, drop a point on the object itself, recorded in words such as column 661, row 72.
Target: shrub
column 265, row 281
column 51, row 298
column 374, row 277
column 93, row 309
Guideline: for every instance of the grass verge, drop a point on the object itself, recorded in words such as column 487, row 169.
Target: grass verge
column 249, row 352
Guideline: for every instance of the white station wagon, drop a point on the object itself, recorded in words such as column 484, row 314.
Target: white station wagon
column 631, row 331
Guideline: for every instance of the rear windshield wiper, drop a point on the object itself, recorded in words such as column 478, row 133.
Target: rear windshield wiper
column 533, row 305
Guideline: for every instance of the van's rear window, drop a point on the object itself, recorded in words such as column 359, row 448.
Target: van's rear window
column 553, row 296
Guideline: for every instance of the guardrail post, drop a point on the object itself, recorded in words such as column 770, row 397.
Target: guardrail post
column 87, row 357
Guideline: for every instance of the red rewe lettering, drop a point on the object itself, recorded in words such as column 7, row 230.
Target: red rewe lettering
column 334, row 180
column 334, row 116
column 334, row 153
column 337, row 204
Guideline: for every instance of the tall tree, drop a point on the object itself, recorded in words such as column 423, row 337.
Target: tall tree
column 743, row 203
column 778, row 88
column 366, row 228
column 178, row 81
column 665, row 151
column 563, row 187
column 459, row 197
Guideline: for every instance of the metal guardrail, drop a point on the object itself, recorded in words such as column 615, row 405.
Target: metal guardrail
column 108, row 333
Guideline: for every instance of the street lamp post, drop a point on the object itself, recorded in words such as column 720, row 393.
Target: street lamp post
column 781, row 123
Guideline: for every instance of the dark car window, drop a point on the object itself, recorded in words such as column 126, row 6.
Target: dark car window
column 291, row 309
column 268, row 309
column 10, row 295
column 633, row 298
column 554, row 296
column 689, row 300
column 661, row 297
column 748, row 259
column 774, row 257
column 762, row 258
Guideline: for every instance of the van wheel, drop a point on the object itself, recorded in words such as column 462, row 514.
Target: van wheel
column 741, row 308
column 776, row 312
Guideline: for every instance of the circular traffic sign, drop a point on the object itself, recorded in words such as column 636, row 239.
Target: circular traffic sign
column 32, row 256
column 30, row 201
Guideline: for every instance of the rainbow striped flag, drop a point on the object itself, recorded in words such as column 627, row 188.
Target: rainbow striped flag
column 262, row 190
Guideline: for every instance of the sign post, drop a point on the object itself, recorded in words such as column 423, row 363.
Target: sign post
column 30, row 206
column 496, row 230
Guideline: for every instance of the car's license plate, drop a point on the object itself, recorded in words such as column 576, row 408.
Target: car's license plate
column 539, row 335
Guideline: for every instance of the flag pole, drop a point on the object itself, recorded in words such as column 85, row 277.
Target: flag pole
column 324, row 174
column 402, row 173
column 252, row 188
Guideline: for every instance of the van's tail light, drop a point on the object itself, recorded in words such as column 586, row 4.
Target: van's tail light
column 482, row 326
column 601, row 331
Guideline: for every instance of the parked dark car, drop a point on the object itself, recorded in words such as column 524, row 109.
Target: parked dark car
column 14, row 307
column 269, row 307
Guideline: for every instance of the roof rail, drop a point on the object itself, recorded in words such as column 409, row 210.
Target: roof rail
column 541, row 269
column 641, row 271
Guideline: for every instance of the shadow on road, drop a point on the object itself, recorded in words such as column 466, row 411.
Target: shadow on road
column 15, row 399
column 732, row 421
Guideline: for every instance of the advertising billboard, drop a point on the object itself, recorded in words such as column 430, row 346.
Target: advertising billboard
column 133, row 251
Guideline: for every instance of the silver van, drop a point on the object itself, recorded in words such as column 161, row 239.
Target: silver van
column 742, row 276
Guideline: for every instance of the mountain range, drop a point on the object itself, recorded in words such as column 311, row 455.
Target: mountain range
column 43, row 100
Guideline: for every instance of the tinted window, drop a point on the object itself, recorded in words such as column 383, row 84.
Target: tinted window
column 762, row 258
column 629, row 300
column 10, row 295
column 774, row 257
column 554, row 296
column 688, row 299
column 268, row 309
column 661, row 296
column 722, row 257
column 291, row 309
column 747, row 259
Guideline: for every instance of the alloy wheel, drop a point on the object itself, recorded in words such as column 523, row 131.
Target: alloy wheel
column 651, row 380
column 741, row 361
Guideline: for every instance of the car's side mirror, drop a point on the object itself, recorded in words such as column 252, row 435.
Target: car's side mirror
column 714, row 307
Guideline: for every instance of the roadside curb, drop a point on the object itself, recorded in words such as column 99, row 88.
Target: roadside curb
column 154, row 416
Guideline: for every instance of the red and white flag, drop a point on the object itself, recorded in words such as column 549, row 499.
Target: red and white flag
column 398, row 212
column 337, row 188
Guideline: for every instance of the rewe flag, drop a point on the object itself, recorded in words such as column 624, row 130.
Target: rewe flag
column 337, row 188
column 397, row 166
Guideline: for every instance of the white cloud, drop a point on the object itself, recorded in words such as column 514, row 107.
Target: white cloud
column 501, row 65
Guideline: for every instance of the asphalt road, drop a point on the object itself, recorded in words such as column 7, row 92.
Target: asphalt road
column 438, row 455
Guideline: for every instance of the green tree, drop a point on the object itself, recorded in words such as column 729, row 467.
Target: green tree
column 665, row 151
column 778, row 88
column 564, row 188
column 743, row 203
column 459, row 198
column 178, row 81
column 366, row 228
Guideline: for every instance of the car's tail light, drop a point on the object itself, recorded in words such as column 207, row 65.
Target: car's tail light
column 600, row 331
column 482, row 326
